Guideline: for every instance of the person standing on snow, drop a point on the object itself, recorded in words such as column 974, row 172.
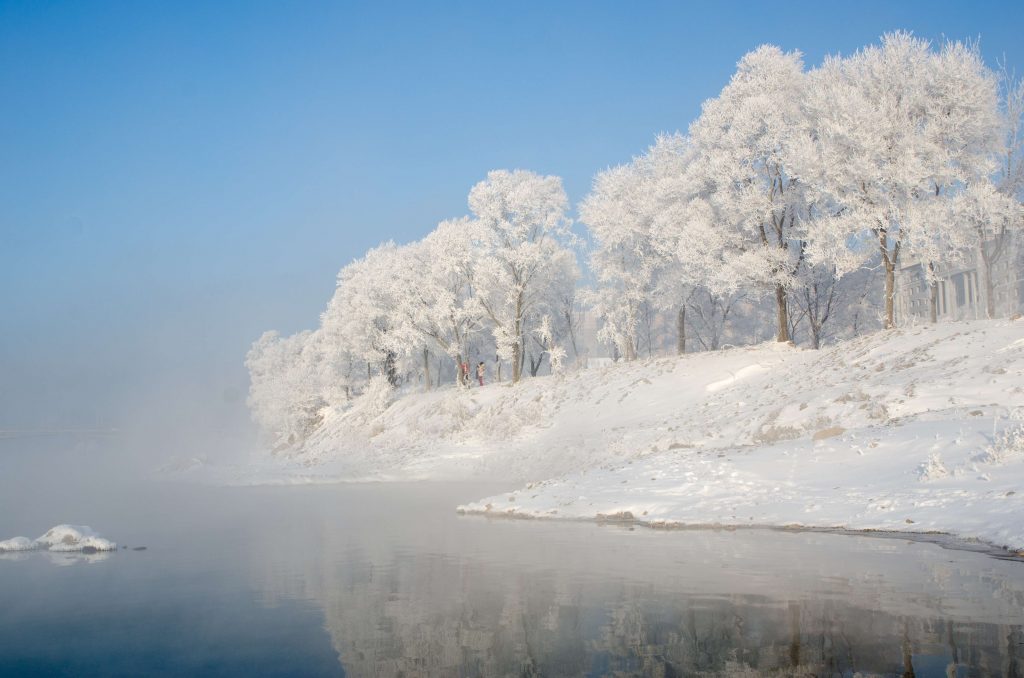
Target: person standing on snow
column 480, row 370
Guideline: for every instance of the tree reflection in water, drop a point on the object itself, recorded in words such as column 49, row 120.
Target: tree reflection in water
column 468, row 596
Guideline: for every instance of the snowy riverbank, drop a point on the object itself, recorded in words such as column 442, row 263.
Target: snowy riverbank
column 918, row 430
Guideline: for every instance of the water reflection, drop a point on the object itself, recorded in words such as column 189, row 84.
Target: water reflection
column 386, row 580
column 430, row 593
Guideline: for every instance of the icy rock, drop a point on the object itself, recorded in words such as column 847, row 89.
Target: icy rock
column 73, row 538
column 16, row 544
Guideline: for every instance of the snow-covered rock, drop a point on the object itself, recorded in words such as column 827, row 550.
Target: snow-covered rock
column 16, row 544
column 73, row 538
column 61, row 538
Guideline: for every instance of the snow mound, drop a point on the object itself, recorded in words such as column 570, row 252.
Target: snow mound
column 16, row 544
column 74, row 538
column 739, row 375
column 932, row 469
column 61, row 538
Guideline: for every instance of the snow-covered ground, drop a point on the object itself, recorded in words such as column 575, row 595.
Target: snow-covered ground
column 919, row 430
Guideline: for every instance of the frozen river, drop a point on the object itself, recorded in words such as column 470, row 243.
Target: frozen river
column 388, row 580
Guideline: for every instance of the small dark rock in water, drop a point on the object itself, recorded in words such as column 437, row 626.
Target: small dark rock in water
column 90, row 549
column 139, row 548
column 125, row 546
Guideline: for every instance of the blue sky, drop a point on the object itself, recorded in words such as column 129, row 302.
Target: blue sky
column 178, row 177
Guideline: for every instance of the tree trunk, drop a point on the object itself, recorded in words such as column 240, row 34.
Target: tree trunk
column 889, row 259
column 426, row 370
column 390, row 370
column 934, row 301
column 460, row 375
column 890, row 293
column 783, row 313
column 517, row 360
column 990, row 297
column 630, row 351
column 535, row 366
column 572, row 334
column 517, row 348
column 522, row 354
column 681, row 331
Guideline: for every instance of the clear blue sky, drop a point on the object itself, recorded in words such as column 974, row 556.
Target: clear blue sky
column 176, row 177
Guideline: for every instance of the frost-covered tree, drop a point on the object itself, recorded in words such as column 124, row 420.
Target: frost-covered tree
column 648, row 252
column 287, row 384
column 553, row 316
column 689, row 238
column 684, row 247
column 1011, row 160
column 710, row 314
column 994, row 216
column 435, row 300
column 619, row 212
column 363, row 315
column 523, row 230
column 743, row 141
column 1001, row 215
column 816, row 300
column 900, row 128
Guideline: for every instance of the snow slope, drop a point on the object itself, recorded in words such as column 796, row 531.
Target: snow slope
column 919, row 429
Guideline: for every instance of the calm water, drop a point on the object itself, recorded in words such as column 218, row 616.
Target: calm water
column 387, row 580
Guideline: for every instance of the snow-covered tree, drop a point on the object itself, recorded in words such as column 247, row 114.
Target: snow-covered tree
column 619, row 213
column 1004, row 216
column 363, row 314
column 644, row 257
column 286, row 391
column 899, row 129
column 743, row 140
column 816, row 301
column 1011, row 160
column 993, row 217
column 554, row 314
column 709, row 316
column 523, row 230
column 436, row 299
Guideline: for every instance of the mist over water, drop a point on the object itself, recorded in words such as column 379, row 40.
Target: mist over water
column 388, row 580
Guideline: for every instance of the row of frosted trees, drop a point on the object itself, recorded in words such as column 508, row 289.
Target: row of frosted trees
column 498, row 287
column 791, row 179
column 792, row 186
